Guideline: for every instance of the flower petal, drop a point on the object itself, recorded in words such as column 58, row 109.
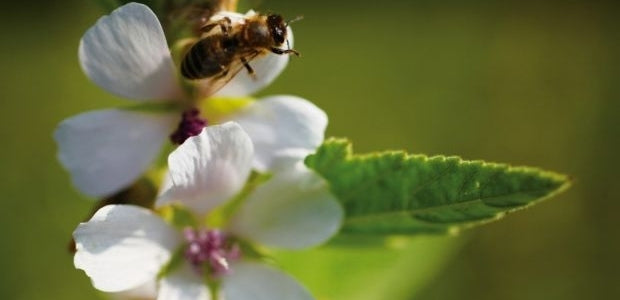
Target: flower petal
column 147, row 290
column 280, row 126
column 183, row 284
column 123, row 246
column 209, row 168
column 260, row 282
column 266, row 69
column 126, row 54
column 294, row 209
column 106, row 150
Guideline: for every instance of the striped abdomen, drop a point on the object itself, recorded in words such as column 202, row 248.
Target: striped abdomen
column 208, row 57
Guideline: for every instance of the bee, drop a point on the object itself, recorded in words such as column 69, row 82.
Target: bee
column 219, row 56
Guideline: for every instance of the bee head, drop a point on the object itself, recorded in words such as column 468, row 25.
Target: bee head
column 277, row 28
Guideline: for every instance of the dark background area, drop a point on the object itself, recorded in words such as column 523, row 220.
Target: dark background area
column 522, row 82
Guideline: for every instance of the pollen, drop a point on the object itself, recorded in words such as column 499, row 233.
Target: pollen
column 210, row 251
column 191, row 124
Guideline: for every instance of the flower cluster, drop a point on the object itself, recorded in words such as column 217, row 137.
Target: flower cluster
column 126, row 53
column 212, row 173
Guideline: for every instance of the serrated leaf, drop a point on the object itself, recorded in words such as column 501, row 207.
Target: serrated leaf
column 396, row 193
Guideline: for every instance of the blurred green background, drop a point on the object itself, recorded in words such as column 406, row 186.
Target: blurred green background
column 523, row 82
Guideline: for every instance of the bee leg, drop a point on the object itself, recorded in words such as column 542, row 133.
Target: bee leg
column 222, row 74
column 225, row 26
column 208, row 27
column 284, row 51
column 248, row 67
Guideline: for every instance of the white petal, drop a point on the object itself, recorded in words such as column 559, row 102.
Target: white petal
column 266, row 69
column 107, row 150
column 183, row 284
column 294, row 209
column 209, row 168
column 147, row 290
column 126, row 54
column 123, row 247
column 281, row 126
column 260, row 282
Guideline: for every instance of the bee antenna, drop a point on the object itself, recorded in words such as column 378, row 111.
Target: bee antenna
column 294, row 20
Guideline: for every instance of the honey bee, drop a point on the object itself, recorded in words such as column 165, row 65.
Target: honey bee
column 221, row 55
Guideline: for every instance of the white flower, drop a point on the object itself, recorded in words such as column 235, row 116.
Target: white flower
column 123, row 247
column 126, row 54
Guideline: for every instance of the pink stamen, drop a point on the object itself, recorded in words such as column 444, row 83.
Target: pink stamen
column 191, row 124
column 210, row 248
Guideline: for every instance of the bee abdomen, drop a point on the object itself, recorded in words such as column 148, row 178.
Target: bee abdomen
column 201, row 61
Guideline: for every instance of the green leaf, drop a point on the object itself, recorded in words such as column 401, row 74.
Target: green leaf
column 396, row 193
column 397, row 270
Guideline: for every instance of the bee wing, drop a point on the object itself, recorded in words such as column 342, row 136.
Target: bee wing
column 211, row 85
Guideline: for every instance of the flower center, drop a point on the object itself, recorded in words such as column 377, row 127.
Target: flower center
column 210, row 250
column 191, row 124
